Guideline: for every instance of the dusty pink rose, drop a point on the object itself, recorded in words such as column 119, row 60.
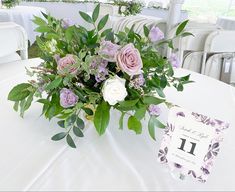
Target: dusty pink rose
column 129, row 60
column 66, row 65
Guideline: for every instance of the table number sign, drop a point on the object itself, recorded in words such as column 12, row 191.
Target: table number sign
column 191, row 143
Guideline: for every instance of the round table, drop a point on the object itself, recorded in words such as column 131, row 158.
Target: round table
column 119, row 160
column 227, row 23
column 23, row 15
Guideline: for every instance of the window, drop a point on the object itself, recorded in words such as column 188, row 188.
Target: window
column 209, row 10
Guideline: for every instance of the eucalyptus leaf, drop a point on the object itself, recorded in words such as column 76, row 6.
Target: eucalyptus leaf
column 80, row 123
column 70, row 141
column 59, row 136
column 77, row 131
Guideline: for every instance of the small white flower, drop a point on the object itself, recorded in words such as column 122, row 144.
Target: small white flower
column 114, row 90
column 123, row 9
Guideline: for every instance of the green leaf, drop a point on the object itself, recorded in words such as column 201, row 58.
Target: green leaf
column 185, row 34
column 77, row 131
column 101, row 118
column 152, row 100
column 71, row 120
column 59, row 136
column 180, row 87
column 181, row 27
column 146, row 31
column 80, row 123
column 152, row 125
column 134, row 124
column 88, row 111
column 20, row 92
column 54, row 84
column 106, row 32
column 129, row 103
column 140, row 112
column 61, row 123
column 160, row 92
column 95, row 13
column 43, row 29
column 86, row 17
column 121, row 120
column 39, row 21
column 70, row 141
column 103, row 22
column 16, row 106
column 69, row 33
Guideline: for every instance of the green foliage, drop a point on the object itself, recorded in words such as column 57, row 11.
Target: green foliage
column 135, row 124
column 101, row 118
column 152, row 125
column 58, row 41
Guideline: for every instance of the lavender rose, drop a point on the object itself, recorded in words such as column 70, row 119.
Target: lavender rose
column 174, row 60
column 66, row 65
column 108, row 50
column 67, row 98
column 129, row 60
column 155, row 34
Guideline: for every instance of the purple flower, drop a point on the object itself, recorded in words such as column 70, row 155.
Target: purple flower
column 174, row 60
column 108, row 50
column 99, row 65
column 67, row 98
column 137, row 82
column 155, row 34
column 101, row 74
column 154, row 110
column 66, row 22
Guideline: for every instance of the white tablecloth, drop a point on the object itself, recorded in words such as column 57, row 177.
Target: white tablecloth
column 119, row 160
column 23, row 15
column 227, row 23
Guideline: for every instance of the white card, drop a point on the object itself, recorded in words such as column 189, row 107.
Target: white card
column 191, row 143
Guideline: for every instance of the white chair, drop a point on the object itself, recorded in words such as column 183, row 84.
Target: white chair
column 194, row 43
column 218, row 42
column 13, row 38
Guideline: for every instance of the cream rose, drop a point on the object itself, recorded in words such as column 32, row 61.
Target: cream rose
column 114, row 90
column 129, row 60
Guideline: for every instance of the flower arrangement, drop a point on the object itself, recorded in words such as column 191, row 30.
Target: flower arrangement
column 85, row 73
column 10, row 3
column 126, row 8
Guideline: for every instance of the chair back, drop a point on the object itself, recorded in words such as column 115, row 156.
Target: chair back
column 13, row 38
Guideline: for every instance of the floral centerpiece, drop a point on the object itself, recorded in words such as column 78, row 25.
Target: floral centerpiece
column 126, row 8
column 91, row 71
column 10, row 3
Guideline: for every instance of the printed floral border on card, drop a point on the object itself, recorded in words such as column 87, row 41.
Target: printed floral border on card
column 191, row 143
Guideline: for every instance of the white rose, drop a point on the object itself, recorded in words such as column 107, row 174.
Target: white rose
column 114, row 90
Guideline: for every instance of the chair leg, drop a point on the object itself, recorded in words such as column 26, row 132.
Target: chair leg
column 203, row 66
column 24, row 54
